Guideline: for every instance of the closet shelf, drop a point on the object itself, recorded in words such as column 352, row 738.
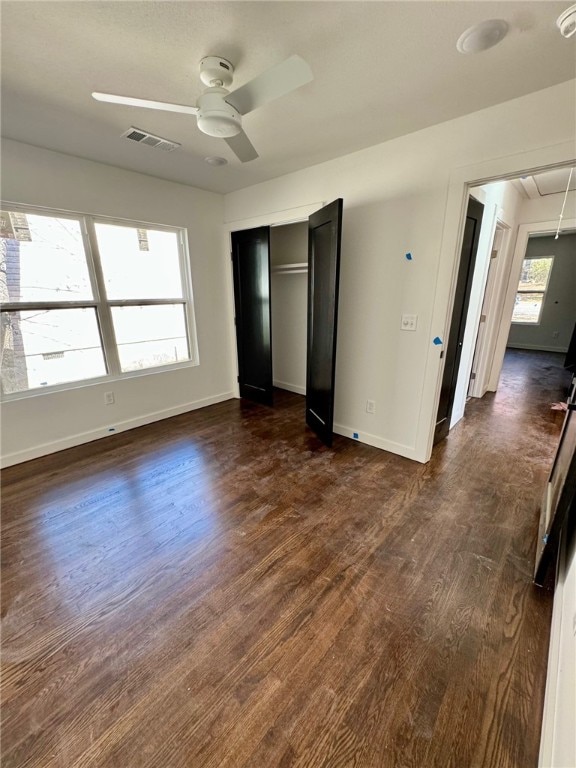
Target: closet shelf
column 290, row 269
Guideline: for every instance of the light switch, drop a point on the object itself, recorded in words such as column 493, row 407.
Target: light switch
column 409, row 322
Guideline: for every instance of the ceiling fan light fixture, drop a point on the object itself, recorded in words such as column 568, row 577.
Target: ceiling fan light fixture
column 216, row 117
column 218, row 111
column 482, row 36
column 220, row 125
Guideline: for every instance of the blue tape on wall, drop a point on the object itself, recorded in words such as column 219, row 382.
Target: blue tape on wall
column 409, row 256
column 437, row 340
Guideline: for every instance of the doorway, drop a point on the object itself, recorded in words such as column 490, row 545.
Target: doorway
column 466, row 270
column 286, row 326
column 514, row 209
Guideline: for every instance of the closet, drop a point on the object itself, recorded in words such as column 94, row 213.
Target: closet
column 289, row 304
column 286, row 281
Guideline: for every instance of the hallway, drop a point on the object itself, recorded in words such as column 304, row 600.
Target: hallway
column 219, row 589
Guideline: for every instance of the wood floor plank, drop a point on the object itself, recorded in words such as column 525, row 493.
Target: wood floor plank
column 219, row 590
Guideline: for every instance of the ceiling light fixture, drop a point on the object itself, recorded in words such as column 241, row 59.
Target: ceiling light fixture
column 566, row 22
column 215, row 160
column 482, row 36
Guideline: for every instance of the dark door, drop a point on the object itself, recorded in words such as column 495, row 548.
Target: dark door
column 324, row 236
column 459, row 312
column 251, row 266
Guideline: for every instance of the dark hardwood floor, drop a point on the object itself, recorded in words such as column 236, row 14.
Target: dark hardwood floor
column 219, row 590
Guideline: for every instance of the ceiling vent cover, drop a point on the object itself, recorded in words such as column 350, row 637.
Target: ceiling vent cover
column 143, row 137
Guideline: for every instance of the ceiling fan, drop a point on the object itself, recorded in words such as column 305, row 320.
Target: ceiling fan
column 219, row 112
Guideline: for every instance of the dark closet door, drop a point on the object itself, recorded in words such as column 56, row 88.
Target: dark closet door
column 251, row 266
column 459, row 312
column 324, row 237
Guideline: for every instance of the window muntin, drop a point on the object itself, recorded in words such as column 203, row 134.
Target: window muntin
column 532, row 287
column 60, row 325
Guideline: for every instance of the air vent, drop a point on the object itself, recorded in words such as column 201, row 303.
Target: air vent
column 142, row 137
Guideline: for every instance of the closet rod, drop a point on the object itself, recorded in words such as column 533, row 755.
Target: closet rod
column 290, row 269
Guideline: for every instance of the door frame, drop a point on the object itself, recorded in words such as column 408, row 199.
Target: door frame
column 460, row 182
column 492, row 301
column 457, row 358
column 271, row 219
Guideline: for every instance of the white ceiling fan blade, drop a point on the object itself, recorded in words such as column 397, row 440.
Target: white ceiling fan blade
column 130, row 102
column 275, row 82
column 242, row 147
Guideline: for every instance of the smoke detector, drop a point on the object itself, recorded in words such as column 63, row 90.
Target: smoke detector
column 482, row 36
column 566, row 22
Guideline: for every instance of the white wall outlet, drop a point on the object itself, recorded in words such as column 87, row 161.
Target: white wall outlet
column 370, row 406
column 109, row 398
column 409, row 322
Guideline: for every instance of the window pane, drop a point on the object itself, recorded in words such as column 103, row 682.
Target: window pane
column 527, row 308
column 139, row 263
column 45, row 347
column 535, row 274
column 42, row 259
column 150, row 336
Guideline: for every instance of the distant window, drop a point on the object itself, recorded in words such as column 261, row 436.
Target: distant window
column 532, row 290
column 84, row 299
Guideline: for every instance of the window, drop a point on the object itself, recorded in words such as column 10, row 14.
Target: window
column 532, row 290
column 84, row 298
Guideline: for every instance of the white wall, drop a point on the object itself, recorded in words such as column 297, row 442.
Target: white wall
column 407, row 195
column 47, row 422
column 558, row 742
column 289, row 299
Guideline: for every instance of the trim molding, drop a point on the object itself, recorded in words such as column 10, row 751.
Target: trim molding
column 290, row 387
column 96, row 434
column 408, row 451
column 537, row 347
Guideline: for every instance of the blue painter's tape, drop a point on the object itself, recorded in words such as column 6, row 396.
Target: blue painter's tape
column 409, row 256
column 355, row 435
column 437, row 340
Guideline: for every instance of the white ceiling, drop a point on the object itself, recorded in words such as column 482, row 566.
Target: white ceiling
column 382, row 69
column 546, row 183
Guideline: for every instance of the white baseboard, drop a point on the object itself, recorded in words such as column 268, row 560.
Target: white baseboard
column 408, row 451
column 537, row 348
column 96, row 434
column 290, row 387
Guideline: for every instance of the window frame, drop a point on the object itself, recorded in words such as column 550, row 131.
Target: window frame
column 543, row 292
column 103, row 306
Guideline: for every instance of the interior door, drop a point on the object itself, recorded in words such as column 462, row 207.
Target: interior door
column 324, row 239
column 459, row 312
column 251, row 267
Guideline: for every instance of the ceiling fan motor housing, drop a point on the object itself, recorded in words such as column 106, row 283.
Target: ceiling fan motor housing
column 216, row 117
column 214, row 70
